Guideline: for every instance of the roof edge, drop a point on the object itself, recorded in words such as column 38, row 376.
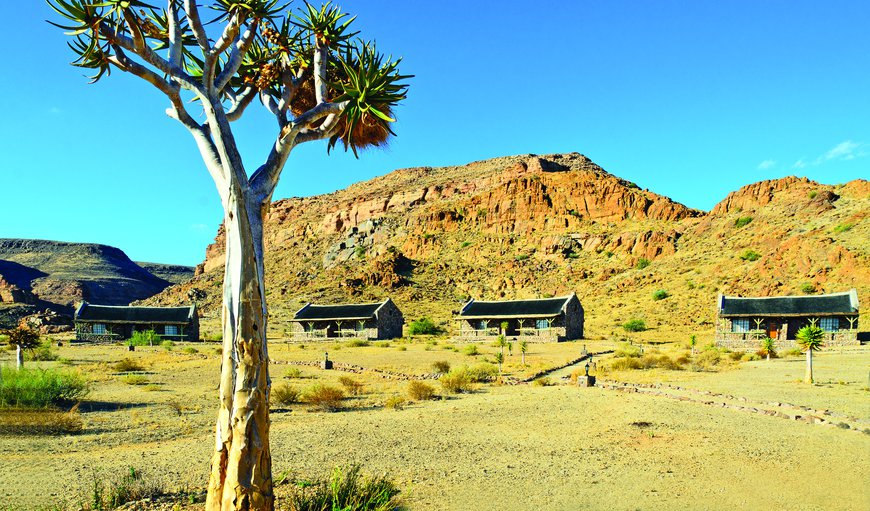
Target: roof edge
column 842, row 293
column 565, row 298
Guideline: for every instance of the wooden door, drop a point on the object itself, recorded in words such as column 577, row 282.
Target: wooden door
column 772, row 328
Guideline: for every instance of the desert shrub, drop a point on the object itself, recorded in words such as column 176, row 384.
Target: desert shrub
column 285, row 395
column 64, row 361
column 625, row 364
column 402, row 348
column 395, row 403
column 324, row 397
column 660, row 294
column 441, row 366
column 383, row 344
column 126, row 365
column 420, row 391
column 707, row 360
column 750, row 255
column 135, row 379
column 423, row 326
column 743, row 221
column 456, row 381
column 470, row 350
column 167, row 345
column 41, row 353
column 808, row 288
column 448, row 347
column 634, row 325
column 151, row 387
column 682, row 360
column 543, row 381
column 747, row 357
column 145, row 338
column 813, row 194
column 626, row 350
column 483, row 372
column 353, row 387
column 345, row 490
column 843, row 228
column 521, row 257
column 293, row 373
column 114, row 491
column 736, row 355
column 668, row 363
column 190, row 350
column 39, row 388
column 42, row 421
column 357, row 343
column 794, row 352
column 642, row 263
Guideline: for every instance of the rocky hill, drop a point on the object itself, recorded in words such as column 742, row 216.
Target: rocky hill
column 39, row 274
column 528, row 226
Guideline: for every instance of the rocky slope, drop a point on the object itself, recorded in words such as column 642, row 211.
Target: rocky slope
column 525, row 226
column 39, row 274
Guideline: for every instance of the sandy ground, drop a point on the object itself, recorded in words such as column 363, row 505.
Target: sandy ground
column 509, row 447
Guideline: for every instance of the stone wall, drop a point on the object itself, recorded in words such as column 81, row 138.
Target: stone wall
column 574, row 319
column 390, row 321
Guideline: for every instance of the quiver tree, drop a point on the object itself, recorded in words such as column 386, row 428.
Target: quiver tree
column 23, row 338
column 318, row 80
column 810, row 339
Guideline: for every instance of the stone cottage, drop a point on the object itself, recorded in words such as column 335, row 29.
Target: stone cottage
column 544, row 319
column 116, row 323
column 742, row 322
column 371, row 321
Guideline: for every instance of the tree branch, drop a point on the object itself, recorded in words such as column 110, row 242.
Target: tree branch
column 241, row 102
column 176, row 44
column 195, row 23
column 321, row 60
column 149, row 56
column 230, row 33
column 239, row 49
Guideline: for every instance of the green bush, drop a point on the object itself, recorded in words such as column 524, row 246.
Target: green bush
column 41, row 353
column 843, row 228
column 660, row 294
column 750, row 255
column 456, row 381
column 423, row 326
column 285, row 395
column 39, row 388
column 813, row 194
column 470, row 350
column 743, row 221
column 808, row 288
column 395, row 403
column 357, row 343
column 482, row 372
column 634, row 325
column 190, row 350
column 293, row 372
column 135, row 379
column 145, row 338
column 642, row 263
column 167, row 345
column 344, row 490
column 441, row 366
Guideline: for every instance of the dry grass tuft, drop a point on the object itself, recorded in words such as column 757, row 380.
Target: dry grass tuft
column 457, row 381
column 324, row 397
column 353, row 387
column 45, row 421
column 127, row 365
column 285, row 395
column 420, row 391
column 395, row 403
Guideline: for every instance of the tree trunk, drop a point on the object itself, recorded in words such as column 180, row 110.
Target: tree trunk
column 241, row 473
column 808, row 377
column 768, row 355
column 19, row 357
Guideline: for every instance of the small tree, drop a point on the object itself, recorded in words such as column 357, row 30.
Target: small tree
column 510, row 347
column 504, row 327
column 501, row 342
column 23, row 338
column 810, row 339
column 693, row 341
column 524, row 347
column 768, row 346
column 499, row 357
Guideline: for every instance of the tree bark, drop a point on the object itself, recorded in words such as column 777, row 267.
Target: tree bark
column 808, row 376
column 241, row 473
column 19, row 357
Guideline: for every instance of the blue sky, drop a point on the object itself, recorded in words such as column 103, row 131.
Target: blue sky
column 691, row 99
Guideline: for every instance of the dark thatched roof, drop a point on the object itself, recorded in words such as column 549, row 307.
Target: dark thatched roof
column 542, row 308
column 819, row 305
column 111, row 314
column 340, row 312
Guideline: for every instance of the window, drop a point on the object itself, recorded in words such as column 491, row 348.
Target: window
column 542, row 324
column 360, row 325
column 99, row 328
column 740, row 325
column 830, row 324
column 483, row 324
column 170, row 330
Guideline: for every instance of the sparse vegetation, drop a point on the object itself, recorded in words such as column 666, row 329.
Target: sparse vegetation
column 743, row 221
column 642, row 263
column 395, row 403
column 750, row 255
column 357, row 343
column 135, row 379
column 456, row 381
column 167, row 345
column 112, row 492
column 190, row 350
column 144, row 338
column 420, row 391
column 351, row 386
column 543, row 381
column 813, row 194
column 285, row 395
column 808, row 288
column 345, row 490
column 126, row 365
column 441, row 366
column 324, row 397
column 293, row 373
column 470, row 350
column 634, row 325
column 841, row 228
column 40, row 421
column 40, row 388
